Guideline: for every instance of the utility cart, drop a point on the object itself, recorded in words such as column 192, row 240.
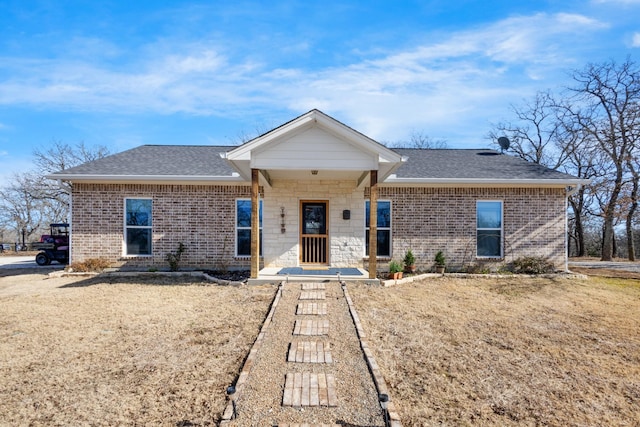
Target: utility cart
column 54, row 246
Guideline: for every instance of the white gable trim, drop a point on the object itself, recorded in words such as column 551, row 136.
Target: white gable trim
column 366, row 153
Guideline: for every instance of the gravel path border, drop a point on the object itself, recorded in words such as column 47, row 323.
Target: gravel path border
column 259, row 399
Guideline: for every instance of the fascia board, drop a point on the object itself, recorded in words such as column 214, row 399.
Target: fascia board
column 234, row 177
column 392, row 179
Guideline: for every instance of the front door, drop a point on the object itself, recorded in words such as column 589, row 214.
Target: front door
column 314, row 232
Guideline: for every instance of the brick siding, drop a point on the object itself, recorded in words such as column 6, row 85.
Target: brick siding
column 201, row 217
column 424, row 220
column 427, row 220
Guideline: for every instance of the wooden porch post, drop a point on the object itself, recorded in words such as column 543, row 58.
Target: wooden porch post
column 373, row 224
column 255, row 224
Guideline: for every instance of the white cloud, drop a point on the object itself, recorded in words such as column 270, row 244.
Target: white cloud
column 439, row 84
column 624, row 2
column 635, row 41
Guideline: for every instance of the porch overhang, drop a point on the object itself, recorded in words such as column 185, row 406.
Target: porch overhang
column 313, row 146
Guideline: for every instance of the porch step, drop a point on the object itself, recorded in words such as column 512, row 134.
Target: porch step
column 309, row 352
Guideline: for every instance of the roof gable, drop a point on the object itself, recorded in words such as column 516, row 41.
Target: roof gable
column 314, row 141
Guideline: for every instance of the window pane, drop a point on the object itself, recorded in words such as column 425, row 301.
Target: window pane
column 139, row 212
column 489, row 243
column 138, row 241
column 384, row 214
column 244, row 242
column 384, row 243
column 367, row 209
column 244, row 213
column 489, row 214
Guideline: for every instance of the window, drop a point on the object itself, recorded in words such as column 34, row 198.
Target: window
column 489, row 229
column 384, row 228
column 243, row 227
column 137, row 230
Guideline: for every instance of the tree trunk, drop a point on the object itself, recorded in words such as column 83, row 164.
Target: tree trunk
column 607, row 239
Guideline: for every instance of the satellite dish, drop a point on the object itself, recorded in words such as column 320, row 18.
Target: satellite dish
column 504, row 143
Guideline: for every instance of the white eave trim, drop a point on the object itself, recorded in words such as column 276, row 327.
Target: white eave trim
column 393, row 179
column 234, row 177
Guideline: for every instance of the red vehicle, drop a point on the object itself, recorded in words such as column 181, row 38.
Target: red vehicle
column 54, row 246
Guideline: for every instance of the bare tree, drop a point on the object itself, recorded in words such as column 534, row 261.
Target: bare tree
column 537, row 134
column 30, row 201
column 419, row 139
column 605, row 107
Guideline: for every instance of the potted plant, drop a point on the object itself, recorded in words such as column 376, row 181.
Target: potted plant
column 409, row 262
column 395, row 270
column 440, row 262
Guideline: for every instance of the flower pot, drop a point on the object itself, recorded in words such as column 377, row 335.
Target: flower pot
column 395, row 276
column 410, row 269
column 440, row 269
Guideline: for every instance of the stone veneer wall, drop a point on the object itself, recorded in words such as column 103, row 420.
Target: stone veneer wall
column 201, row 217
column 427, row 220
column 346, row 236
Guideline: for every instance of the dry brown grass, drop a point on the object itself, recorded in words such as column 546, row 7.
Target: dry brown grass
column 156, row 352
column 515, row 351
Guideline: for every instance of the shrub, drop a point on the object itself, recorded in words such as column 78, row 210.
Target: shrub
column 440, row 259
column 174, row 258
column 90, row 265
column 409, row 259
column 532, row 265
column 395, row 267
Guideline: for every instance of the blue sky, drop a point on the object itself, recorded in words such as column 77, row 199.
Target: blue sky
column 126, row 73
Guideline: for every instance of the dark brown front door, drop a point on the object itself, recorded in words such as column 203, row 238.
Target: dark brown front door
column 314, row 233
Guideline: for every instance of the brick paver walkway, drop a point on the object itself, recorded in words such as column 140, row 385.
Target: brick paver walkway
column 309, row 376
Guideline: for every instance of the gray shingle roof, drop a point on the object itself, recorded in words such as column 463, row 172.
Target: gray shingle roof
column 170, row 160
column 205, row 161
column 470, row 164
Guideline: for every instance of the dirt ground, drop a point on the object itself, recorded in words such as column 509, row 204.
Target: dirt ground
column 489, row 352
column 512, row 351
column 127, row 352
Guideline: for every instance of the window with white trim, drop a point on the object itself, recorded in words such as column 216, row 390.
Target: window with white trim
column 489, row 229
column 384, row 228
column 243, row 227
column 138, row 226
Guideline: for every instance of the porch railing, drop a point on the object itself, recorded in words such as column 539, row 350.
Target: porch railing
column 314, row 249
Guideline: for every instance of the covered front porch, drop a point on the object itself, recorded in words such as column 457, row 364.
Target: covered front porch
column 315, row 275
column 308, row 181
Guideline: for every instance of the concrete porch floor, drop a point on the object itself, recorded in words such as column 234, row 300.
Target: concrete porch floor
column 270, row 275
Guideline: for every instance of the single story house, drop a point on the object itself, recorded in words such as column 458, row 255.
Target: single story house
column 324, row 195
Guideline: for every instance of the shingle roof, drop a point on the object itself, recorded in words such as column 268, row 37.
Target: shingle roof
column 470, row 164
column 170, row 160
column 205, row 161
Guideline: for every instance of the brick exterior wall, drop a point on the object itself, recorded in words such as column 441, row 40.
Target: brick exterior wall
column 201, row 217
column 424, row 220
column 427, row 220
